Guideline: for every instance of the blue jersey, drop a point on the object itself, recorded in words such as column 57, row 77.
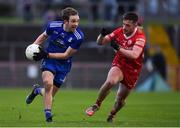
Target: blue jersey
column 59, row 40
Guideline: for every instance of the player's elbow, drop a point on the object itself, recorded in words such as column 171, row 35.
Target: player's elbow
column 65, row 56
column 136, row 52
column 135, row 55
column 60, row 56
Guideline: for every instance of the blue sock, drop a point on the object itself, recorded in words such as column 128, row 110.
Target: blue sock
column 37, row 91
column 48, row 113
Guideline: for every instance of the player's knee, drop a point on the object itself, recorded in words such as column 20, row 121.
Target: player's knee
column 111, row 82
column 48, row 84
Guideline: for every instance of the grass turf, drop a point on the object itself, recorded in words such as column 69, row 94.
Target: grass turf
column 153, row 109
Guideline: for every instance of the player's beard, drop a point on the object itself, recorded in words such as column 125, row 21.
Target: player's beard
column 70, row 28
column 127, row 32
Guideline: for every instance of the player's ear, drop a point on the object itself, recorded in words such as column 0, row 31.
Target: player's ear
column 65, row 21
column 136, row 23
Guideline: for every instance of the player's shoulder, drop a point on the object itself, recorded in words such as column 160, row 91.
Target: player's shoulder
column 118, row 30
column 140, row 35
column 78, row 34
column 140, row 30
column 55, row 24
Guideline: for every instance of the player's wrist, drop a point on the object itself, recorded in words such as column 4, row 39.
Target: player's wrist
column 119, row 48
column 99, row 39
column 115, row 46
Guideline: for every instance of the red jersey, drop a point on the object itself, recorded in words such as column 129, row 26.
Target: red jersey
column 130, row 67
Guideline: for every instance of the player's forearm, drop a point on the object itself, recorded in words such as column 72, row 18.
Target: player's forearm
column 58, row 55
column 133, row 54
column 68, row 53
column 101, row 40
column 41, row 38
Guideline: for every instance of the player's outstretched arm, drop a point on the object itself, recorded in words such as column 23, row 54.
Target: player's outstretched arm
column 103, row 38
column 41, row 38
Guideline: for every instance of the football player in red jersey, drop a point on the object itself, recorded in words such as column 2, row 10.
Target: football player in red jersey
column 129, row 42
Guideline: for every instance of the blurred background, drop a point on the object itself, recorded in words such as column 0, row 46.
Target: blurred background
column 21, row 21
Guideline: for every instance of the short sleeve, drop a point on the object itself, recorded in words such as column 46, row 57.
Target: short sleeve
column 48, row 29
column 140, row 40
column 114, row 34
column 76, row 44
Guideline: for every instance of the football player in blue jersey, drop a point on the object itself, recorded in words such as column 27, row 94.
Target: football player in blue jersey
column 64, row 39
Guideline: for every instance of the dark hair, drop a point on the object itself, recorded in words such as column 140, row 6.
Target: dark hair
column 67, row 12
column 131, row 16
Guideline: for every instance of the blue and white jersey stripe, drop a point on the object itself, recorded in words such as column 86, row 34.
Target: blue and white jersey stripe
column 78, row 36
column 55, row 24
column 59, row 40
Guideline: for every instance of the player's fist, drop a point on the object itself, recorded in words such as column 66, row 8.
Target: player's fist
column 40, row 55
column 104, row 31
column 115, row 46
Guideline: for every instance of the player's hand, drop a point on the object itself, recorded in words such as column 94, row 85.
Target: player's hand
column 104, row 31
column 115, row 46
column 42, row 54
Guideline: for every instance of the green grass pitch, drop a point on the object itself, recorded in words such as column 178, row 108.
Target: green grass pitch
column 153, row 109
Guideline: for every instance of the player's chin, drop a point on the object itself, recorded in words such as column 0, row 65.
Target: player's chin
column 125, row 31
column 73, row 28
